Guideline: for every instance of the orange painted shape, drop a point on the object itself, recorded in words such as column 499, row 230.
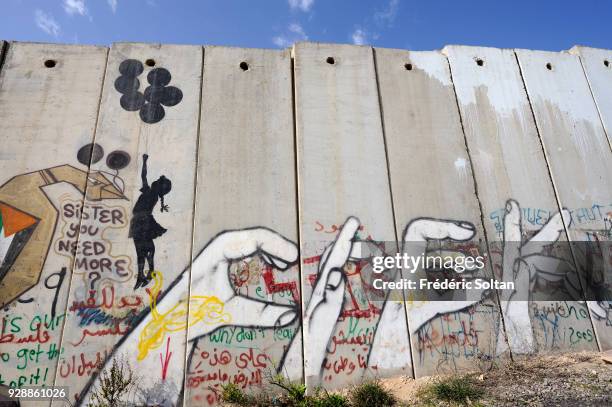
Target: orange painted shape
column 13, row 220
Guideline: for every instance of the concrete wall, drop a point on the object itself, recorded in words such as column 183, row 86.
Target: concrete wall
column 578, row 151
column 196, row 212
column 424, row 136
column 511, row 173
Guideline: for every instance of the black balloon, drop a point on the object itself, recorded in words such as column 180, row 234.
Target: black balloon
column 125, row 84
column 172, row 96
column 159, row 77
column 117, row 160
column 152, row 113
column 90, row 153
column 154, row 94
column 131, row 68
column 132, row 101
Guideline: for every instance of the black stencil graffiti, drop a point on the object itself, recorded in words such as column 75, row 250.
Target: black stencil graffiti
column 143, row 226
column 116, row 160
column 158, row 92
column 56, row 286
column 128, row 84
column 90, row 153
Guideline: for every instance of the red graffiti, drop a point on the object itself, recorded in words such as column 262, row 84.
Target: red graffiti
column 108, row 301
column 41, row 336
column 274, row 287
column 82, row 366
column 165, row 361
column 115, row 330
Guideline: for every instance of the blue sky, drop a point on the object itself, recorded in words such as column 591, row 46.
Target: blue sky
column 410, row 24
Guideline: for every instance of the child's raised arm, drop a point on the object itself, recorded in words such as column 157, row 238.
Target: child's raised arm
column 143, row 174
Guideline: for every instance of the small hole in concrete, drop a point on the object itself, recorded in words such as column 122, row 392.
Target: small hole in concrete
column 150, row 62
column 331, row 60
column 479, row 62
column 408, row 67
column 244, row 66
column 49, row 63
column 606, row 62
column 549, row 66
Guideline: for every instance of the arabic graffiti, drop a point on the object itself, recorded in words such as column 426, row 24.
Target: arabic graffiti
column 40, row 218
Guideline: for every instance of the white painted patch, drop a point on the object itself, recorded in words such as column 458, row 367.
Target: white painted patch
column 461, row 166
column 5, row 243
column 429, row 62
column 505, row 97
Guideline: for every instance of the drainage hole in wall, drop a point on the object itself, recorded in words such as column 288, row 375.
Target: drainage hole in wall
column 331, row 60
column 50, row 63
column 408, row 67
column 244, row 66
column 479, row 62
column 549, row 66
column 150, row 62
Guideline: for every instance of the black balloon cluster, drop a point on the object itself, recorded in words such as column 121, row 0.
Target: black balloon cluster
column 158, row 92
column 92, row 153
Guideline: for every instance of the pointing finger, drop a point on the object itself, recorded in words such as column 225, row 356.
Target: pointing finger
column 335, row 257
column 512, row 239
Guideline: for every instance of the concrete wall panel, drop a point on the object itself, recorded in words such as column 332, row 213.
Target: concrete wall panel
column 3, row 49
column 145, row 157
column 580, row 159
column 246, row 194
column 511, row 175
column 48, row 114
column 431, row 178
column 342, row 173
column 597, row 65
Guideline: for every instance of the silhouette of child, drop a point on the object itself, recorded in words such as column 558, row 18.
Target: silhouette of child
column 143, row 226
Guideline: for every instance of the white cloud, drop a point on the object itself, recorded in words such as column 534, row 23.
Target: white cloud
column 112, row 4
column 388, row 14
column 359, row 37
column 72, row 7
column 304, row 5
column 47, row 23
column 298, row 30
column 281, row 41
column 295, row 33
column 382, row 19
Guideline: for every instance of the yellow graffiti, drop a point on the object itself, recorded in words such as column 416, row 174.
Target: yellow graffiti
column 412, row 302
column 204, row 309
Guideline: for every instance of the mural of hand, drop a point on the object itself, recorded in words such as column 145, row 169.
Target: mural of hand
column 210, row 281
column 210, row 277
column 601, row 309
column 327, row 297
column 416, row 237
column 523, row 262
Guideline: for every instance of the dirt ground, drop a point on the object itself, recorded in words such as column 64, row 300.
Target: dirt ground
column 574, row 379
